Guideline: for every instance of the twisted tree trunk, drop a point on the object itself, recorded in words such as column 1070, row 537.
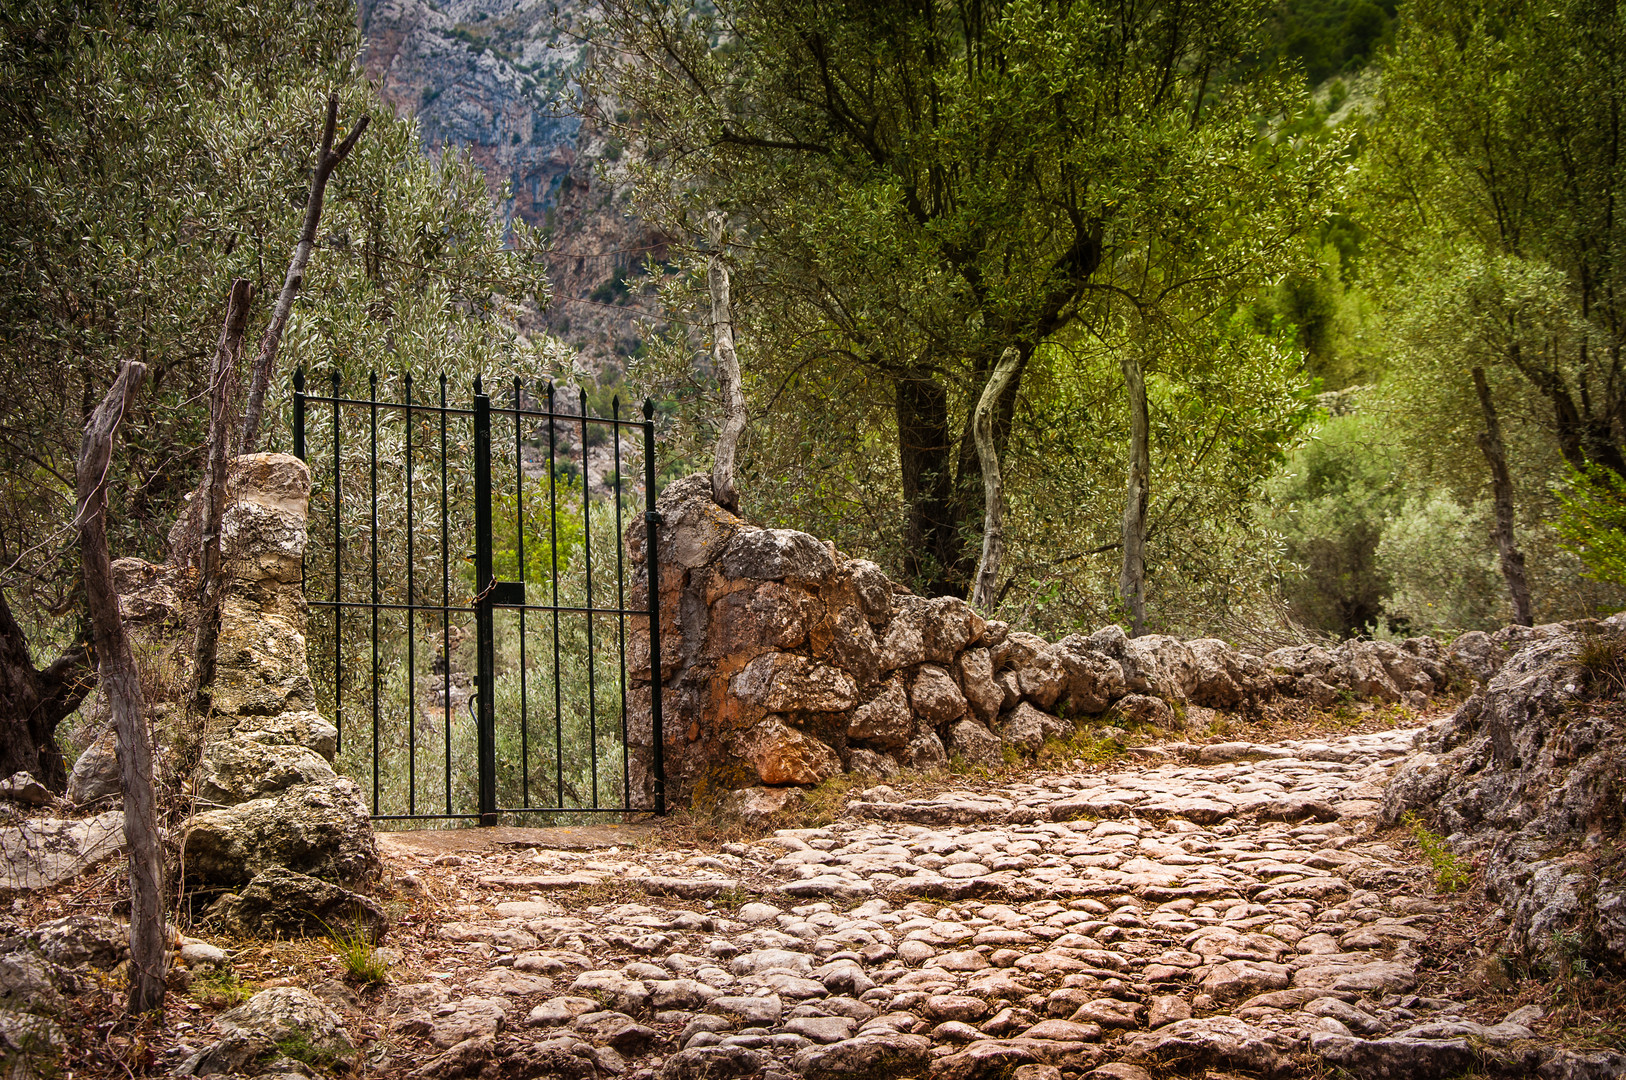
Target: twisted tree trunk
column 993, row 481
column 213, row 495
column 33, row 702
column 1495, row 451
column 727, row 367
column 122, row 688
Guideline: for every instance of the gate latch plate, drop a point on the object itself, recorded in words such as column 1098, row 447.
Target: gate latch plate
column 508, row 594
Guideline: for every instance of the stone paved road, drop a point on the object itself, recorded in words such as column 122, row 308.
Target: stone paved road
column 1218, row 907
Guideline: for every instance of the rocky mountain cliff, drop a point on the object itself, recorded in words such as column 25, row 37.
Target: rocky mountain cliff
column 498, row 78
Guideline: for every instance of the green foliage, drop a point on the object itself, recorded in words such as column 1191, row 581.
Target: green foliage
column 913, row 191
column 1330, row 503
column 1450, row 874
column 1592, row 521
column 220, row 987
column 1332, row 36
column 153, row 158
column 1442, row 576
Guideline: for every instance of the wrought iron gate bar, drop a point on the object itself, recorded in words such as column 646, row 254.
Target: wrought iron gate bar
column 383, row 675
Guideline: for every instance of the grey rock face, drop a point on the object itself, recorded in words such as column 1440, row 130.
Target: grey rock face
column 1523, row 774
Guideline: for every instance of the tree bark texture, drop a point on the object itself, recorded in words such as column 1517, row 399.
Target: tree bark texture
column 934, row 544
column 993, row 481
column 122, row 689
column 228, row 352
column 35, row 702
column 1495, row 451
column 327, row 159
column 726, row 366
column 1132, row 579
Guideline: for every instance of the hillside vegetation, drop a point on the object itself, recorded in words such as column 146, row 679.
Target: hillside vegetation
column 1317, row 306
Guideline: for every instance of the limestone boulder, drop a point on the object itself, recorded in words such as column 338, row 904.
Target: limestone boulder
column 871, row 763
column 1093, row 679
column 1043, row 677
column 975, row 671
column 934, row 696
column 321, row 829
column 1361, row 670
column 694, row 530
column 1476, row 655
column 303, row 728
column 1028, row 728
column 786, row 682
column 282, row 903
column 771, row 616
column 1225, row 678
column 758, row 807
column 74, row 940
column 236, row 770
column 886, row 719
column 904, row 643
column 776, row 555
column 972, row 741
column 951, row 625
column 95, row 776
column 149, row 594
column 1524, row 776
column 285, row 1013
column 1303, row 660
column 1159, row 665
column 872, row 589
column 22, row 788
column 782, row 754
column 1222, row 1042
column 925, row 752
column 260, row 663
column 38, row 853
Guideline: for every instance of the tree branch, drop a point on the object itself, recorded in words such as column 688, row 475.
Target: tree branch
column 327, row 159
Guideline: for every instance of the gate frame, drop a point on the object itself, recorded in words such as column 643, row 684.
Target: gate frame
column 493, row 593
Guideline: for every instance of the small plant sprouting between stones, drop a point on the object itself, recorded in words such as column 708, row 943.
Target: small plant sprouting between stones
column 1450, row 875
column 356, row 946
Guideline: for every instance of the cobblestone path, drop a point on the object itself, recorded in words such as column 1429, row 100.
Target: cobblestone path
column 1219, row 907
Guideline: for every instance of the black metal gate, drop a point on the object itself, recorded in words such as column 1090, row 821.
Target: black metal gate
column 512, row 593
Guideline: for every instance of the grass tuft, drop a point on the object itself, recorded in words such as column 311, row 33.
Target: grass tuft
column 357, row 947
column 1450, row 874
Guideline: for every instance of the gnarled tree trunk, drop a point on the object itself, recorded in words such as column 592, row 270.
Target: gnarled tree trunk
column 1495, row 451
column 327, row 159
column 1132, row 579
column 34, row 702
column 122, row 689
column 726, row 365
column 993, row 480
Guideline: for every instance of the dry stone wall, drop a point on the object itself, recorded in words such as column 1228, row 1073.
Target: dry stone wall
column 266, row 775
column 784, row 662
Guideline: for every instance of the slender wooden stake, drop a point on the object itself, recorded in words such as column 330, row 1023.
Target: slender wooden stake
column 727, row 367
column 213, row 496
column 327, row 159
column 1132, row 580
column 1495, row 451
column 993, row 482
column 119, row 683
